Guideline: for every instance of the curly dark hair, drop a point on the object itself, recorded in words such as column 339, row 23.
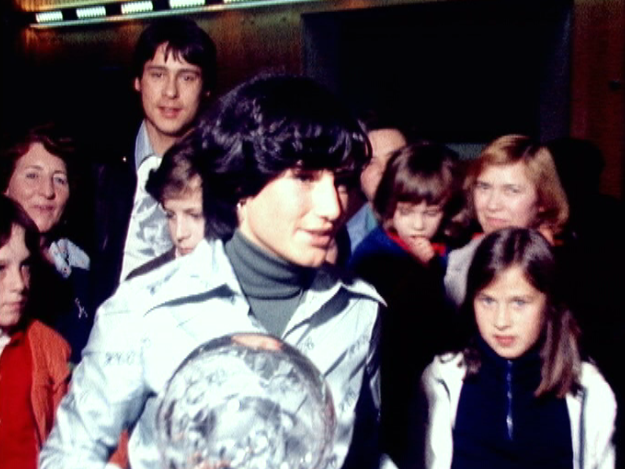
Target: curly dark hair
column 264, row 127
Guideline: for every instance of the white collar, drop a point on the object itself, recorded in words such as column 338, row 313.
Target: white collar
column 143, row 146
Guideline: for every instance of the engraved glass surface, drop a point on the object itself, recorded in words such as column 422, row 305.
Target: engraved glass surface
column 246, row 401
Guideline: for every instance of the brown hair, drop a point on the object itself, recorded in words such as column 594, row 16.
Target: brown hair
column 12, row 214
column 541, row 170
column 529, row 250
column 53, row 140
column 418, row 172
column 58, row 143
column 178, row 169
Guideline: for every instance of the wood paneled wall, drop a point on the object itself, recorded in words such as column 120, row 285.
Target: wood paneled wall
column 598, row 84
column 250, row 40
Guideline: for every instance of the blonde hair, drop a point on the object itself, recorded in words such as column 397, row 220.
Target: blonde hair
column 541, row 171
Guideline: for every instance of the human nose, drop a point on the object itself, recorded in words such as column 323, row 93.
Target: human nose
column 171, row 87
column 17, row 280
column 46, row 187
column 182, row 229
column 502, row 317
column 417, row 221
column 494, row 200
column 327, row 199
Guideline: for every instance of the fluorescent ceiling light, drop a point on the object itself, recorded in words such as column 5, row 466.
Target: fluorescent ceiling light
column 91, row 12
column 185, row 3
column 49, row 16
column 136, row 7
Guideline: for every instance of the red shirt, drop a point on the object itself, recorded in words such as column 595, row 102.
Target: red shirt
column 439, row 248
column 18, row 440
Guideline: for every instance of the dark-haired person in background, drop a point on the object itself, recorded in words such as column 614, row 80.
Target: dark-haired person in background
column 592, row 258
column 174, row 71
column 280, row 152
column 385, row 138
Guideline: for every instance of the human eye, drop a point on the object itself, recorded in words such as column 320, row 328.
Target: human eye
column 169, row 215
column 485, row 300
column 513, row 190
column 190, row 77
column 404, row 209
column 60, row 179
column 482, row 186
column 342, row 188
column 32, row 175
column 304, row 175
column 433, row 212
column 519, row 302
column 156, row 73
column 343, row 180
column 197, row 215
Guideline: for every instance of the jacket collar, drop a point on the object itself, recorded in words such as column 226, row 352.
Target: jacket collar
column 207, row 271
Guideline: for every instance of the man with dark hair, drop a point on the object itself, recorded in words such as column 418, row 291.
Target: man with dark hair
column 174, row 70
column 279, row 157
column 386, row 137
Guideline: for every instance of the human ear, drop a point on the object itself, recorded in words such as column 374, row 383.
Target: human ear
column 137, row 85
column 241, row 210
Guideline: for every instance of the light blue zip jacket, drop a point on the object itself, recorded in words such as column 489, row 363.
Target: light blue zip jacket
column 144, row 332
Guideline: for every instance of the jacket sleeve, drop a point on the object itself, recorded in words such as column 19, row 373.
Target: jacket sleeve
column 438, row 439
column 599, row 420
column 365, row 451
column 458, row 263
column 106, row 394
column 50, row 360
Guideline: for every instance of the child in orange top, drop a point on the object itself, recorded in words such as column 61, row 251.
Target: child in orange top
column 33, row 358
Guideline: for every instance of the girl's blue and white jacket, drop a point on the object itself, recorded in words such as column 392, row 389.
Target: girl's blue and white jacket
column 144, row 332
column 592, row 412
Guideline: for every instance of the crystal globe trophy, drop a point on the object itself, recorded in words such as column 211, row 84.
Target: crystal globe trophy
column 246, row 401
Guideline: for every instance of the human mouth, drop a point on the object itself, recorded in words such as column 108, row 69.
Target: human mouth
column 505, row 340
column 15, row 307
column 321, row 238
column 46, row 209
column 169, row 112
column 496, row 223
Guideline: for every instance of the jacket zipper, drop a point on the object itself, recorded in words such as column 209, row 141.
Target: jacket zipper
column 509, row 421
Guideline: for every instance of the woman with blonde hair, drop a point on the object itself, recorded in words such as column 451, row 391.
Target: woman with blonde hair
column 513, row 183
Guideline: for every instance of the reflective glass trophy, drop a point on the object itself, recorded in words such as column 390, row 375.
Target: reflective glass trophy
column 246, row 401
